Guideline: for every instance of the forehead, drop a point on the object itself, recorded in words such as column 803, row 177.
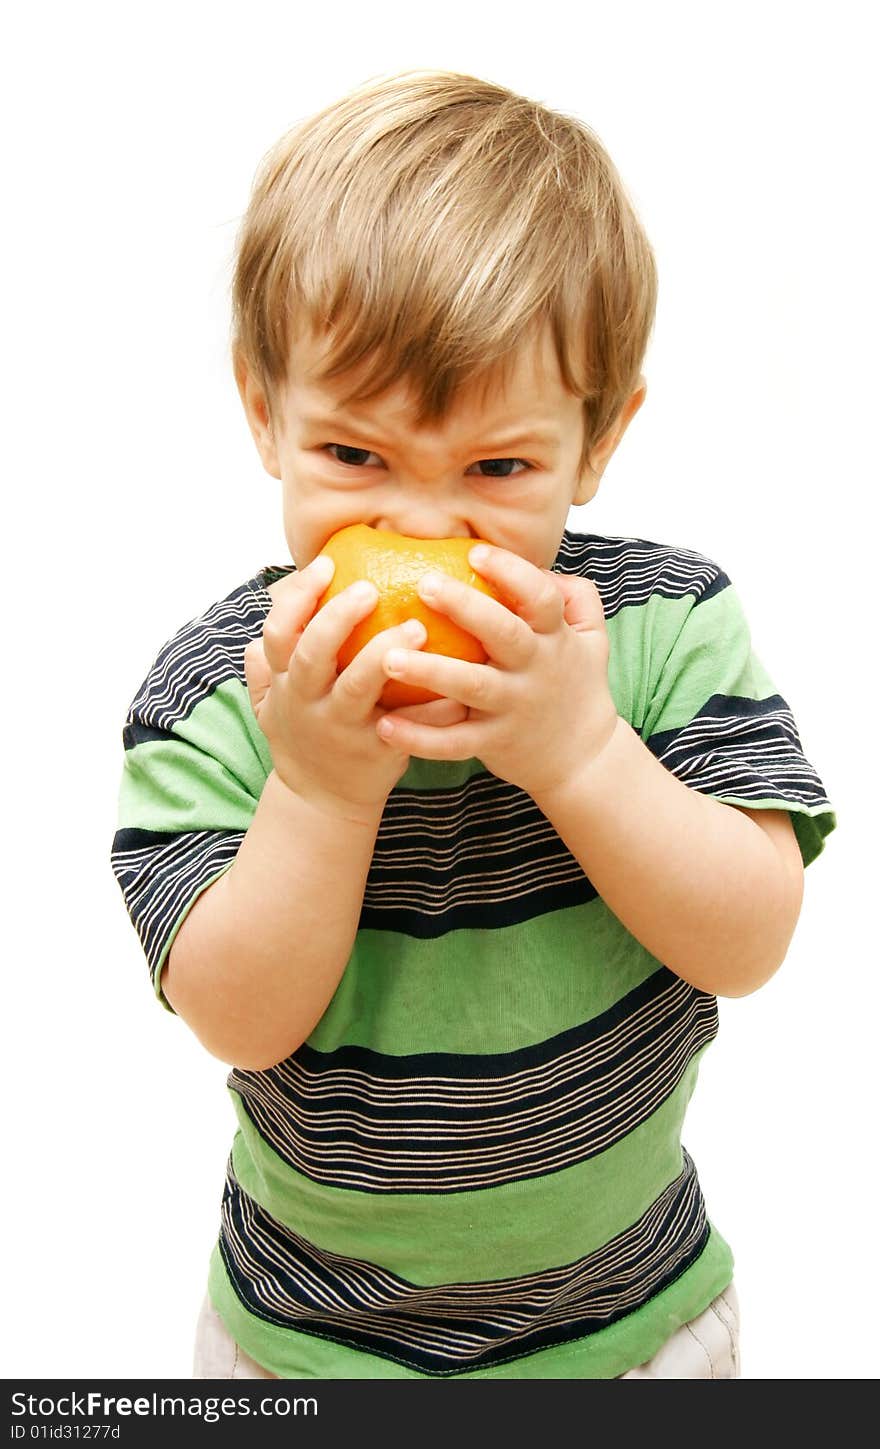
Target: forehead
column 528, row 379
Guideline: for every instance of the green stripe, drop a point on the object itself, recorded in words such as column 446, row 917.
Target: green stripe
column 712, row 656
column 605, row 1354
column 438, row 774
column 811, row 828
column 483, row 991
column 499, row 1232
column 640, row 635
column 167, row 785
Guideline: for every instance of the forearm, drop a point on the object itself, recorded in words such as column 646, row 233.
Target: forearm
column 697, row 882
column 262, row 951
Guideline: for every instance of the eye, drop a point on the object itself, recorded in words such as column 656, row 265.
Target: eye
column 360, row 455
column 500, row 467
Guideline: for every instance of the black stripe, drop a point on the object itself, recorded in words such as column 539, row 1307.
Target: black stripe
column 137, row 733
column 496, row 862
column 721, row 706
column 202, row 655
column 628, row 572
column 743, row 747
column 717, row 586
column 478, row 913
column 446, row 1329
column 131, row 839
column 161, row 875
column 441, row 1123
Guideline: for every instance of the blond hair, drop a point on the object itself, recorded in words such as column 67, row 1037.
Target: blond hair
column 424, row 226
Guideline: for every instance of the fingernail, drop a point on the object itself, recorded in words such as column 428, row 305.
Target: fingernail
column 478, row 555
column 364, row 591
column 415, row 630
column 395, row 660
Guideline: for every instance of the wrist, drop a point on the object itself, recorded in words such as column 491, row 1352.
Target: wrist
column 589, row 776
column 323, row 804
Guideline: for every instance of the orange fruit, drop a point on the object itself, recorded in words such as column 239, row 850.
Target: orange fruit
column 395, row 563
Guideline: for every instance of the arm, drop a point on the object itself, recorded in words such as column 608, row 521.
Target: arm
column 260, row 954
column 712, row 891
column 256, row 961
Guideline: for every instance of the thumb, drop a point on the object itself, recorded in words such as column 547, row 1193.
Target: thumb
column 258, row 675
column 583, row 604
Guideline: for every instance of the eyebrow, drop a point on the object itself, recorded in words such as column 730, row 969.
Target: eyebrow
column 501, row 439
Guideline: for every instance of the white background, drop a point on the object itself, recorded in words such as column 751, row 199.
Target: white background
column 133, row 498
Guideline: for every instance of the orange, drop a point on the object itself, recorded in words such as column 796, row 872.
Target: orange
column 395, row 563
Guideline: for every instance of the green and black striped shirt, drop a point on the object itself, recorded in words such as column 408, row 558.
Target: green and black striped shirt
column 473, row 1166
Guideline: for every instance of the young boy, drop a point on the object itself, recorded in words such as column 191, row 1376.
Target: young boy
column 462, row 958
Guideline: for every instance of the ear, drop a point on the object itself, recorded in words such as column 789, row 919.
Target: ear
column 588, row 484
column 256, row 408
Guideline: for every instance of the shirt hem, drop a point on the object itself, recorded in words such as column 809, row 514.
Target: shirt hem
column 606, row 1353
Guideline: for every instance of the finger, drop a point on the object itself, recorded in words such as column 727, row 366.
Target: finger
column 447, row 742
column 434, row 712
column 506, row 638
column 257, row 674
column 582, row 602
column 477, row 686
column 295, row 601
column 526, row 589
column 360, row 684
column 314, row 662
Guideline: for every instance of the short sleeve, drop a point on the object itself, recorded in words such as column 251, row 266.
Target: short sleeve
column 715, row 720
column 195, row 763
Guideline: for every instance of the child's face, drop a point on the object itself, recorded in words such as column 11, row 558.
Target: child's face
column 503, row 466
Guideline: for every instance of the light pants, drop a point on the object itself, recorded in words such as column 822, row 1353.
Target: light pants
column 705, row 1348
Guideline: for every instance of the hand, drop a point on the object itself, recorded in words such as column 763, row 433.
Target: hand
column 540, row 709
column 320, row 726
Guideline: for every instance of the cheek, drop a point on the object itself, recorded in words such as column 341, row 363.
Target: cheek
column 534, row 535
column 312, row 514
column 306, row 527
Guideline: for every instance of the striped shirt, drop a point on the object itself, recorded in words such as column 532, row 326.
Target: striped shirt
column 473, row 1166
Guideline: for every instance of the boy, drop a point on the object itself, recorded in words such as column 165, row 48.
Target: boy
column 463, row 958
